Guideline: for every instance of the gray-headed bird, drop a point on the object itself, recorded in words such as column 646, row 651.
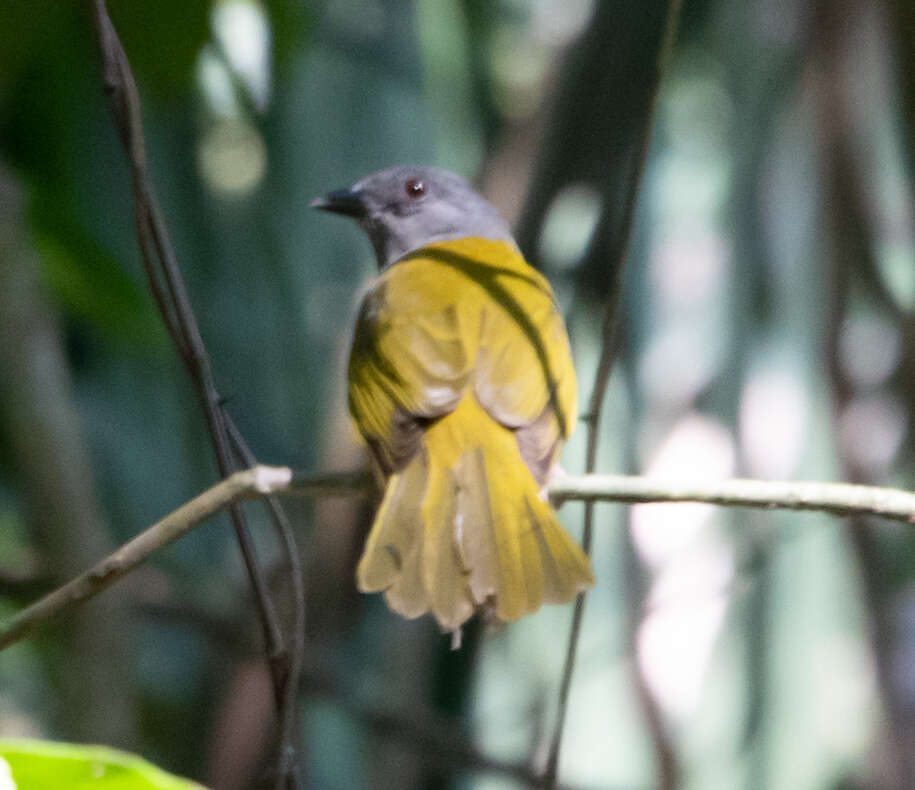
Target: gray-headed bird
column 462, row 385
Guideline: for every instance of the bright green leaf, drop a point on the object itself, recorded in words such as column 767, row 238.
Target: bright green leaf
column 47, row 765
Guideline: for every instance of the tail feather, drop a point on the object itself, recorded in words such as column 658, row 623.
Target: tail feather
column 463, row 526
column 443, row 573
column 392, row 554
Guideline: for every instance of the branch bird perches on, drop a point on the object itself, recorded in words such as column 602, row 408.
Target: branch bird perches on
column 835, row 498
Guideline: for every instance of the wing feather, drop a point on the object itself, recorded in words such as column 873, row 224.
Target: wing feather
column 439, row 321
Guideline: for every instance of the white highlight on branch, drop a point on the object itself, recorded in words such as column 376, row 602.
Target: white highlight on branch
column 271, row 479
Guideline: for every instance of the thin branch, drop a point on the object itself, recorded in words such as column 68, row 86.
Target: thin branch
column 159, row 261
column 288, row 708
column 241, row 485
column 170, row 293
column 609, row 341
column 841, row 499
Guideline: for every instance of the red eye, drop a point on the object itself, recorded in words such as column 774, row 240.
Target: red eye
column 414, row 188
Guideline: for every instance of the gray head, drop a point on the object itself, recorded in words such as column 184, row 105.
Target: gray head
column 405, row 208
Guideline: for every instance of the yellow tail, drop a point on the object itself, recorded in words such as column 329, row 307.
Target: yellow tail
column 463, row 526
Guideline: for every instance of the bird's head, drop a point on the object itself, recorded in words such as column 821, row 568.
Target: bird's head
column 405, row 208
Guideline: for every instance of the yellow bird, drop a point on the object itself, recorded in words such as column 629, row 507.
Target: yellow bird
column 461, row 382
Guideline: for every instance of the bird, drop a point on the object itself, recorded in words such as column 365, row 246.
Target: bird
column 461, row 384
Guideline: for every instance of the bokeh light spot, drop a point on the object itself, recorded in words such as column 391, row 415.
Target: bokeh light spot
column 232, row 157
column 569, row 226
column 869, row 349
column 243, row 34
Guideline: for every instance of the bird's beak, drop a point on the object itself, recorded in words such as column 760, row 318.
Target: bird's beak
column 342, row 201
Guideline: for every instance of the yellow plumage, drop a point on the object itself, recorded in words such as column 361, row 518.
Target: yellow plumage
column 461, row 382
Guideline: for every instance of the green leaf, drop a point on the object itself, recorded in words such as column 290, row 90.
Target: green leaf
column 93, row 287
column 290, row 24
column 88, row 283
column 47, row 765
column 28, row 28
column 162, row 41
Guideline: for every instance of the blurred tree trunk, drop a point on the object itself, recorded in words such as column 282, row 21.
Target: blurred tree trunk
column 850, row 246
column 902, row 24
column 92, row 667
column 594, row 130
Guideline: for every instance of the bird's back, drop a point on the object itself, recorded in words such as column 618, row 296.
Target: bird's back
column 462, row 383
column 461, row 315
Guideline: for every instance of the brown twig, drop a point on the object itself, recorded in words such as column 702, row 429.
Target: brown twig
column 667, row 767
column 288, row 709
column 248, row 483
column 609, row 340
column 168, row 288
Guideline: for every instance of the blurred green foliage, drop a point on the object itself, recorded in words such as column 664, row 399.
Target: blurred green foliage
column 767, row 323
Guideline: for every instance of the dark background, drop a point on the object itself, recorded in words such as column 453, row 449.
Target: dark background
column 768, row 330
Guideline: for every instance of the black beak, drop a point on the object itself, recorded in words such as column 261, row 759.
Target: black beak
column 342, row 201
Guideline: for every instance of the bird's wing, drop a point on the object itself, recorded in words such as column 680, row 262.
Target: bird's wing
column 406, row 367
column 523, row 375
column 458, row 314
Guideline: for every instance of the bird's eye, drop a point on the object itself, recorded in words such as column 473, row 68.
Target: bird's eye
column 414, row 188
